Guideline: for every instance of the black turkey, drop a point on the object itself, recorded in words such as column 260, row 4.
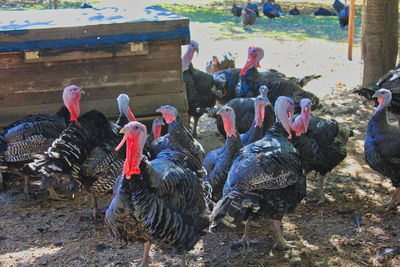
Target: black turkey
column 251, row 80
column 225, row 84
column 324, row 12
column 245, row 111
column 33, row 134
column 320, row 142
column 179, row 137
column 294, row 11
column 218, row 162
column 270, row 10
column 344, row 16
column 382, row 145
column 156, row 201
column 252, row 6
column 199, row 87
column 99, row 171
column 338, row 6
column 389, row 81
column 236, row 10
column 266, row 177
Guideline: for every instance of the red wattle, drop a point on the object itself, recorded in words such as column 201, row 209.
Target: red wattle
column 131, row 116
column 132, row 160
column 250, row 63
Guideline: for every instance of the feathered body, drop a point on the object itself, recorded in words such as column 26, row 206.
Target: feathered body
column 271, row 11
column 266, row 175
column 324, row 12
column 236, row 10
column 225, row 84
column 70, row 150
column 294, row 11
column 338, row 6
column 323, row 146
column 253, row 7
column 344, row 17
column 248, row 17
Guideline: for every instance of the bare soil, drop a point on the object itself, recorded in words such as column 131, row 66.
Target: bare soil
column 62, row 233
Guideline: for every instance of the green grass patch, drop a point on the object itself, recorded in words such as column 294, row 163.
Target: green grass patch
column 301, row 27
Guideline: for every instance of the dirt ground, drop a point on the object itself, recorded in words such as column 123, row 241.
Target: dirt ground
column 43, row 232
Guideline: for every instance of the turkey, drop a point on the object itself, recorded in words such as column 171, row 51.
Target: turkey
column 320, row 142
column 218, row 162
column 154, row 139
column 389, row 81
column 248, row 17
column 179, row 137
column 236, row 10
column 99, row 171
column 338, row 6
column 33, row 134
column 156, row 201
column 244, row 109
column 227, row 62
column 225, row 84
column 344, row 15
column 382, row 145
column 270, row 10
column 266, row 177
column 199, row 87
column 324, row 12
column 253, row 7
column 250, row 79
column 73, row 148
column 294, row 11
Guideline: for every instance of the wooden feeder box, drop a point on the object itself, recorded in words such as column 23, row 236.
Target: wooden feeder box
column 104, row 51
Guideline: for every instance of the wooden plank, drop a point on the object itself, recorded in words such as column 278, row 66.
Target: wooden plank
column 141, row 106
column 160, row 49
column 108, row 71
column 83, row 31
column 121, row 50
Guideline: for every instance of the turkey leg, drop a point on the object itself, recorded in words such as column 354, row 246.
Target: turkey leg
column 194, row 130
column 321, row 199
column 1, row 182
column 243, row 241
column 26, row 186
column 280, row 242
column 145, row 261
column 54, row 195
column 394, row 200
column 94, row 205
column 183, row 260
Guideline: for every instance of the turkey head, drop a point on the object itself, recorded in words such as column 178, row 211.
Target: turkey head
column 71, row 96
column 156, row 128
column 188, row 56
column 123, row 106
column 300, row 125
column 169, row 113
column 228, row 117
column 384, row 97
column 255, row 54
column 284, row 108
column 259, row 104
column 135, row 136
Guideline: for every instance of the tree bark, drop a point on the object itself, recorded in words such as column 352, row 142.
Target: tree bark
column 379, row 38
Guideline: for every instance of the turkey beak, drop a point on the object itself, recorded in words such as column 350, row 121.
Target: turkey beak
column 197, row 51
column 375, row 95
column 219, row 112
column 83, row 92
column 159, row 110
column 122, row 131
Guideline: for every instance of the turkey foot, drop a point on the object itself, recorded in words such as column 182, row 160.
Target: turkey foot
column 321, row 195
column 54, row 195
column 281, row 243
column 394, row 200
column 96, row 213
column 183, row 260
column 243, row 242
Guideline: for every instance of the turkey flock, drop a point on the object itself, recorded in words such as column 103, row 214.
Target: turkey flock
column 164, row 189
column 272, row 10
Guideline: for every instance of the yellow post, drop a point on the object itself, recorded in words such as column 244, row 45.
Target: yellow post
column 351, row 29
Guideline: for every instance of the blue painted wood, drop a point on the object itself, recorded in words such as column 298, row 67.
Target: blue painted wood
column 67, row 28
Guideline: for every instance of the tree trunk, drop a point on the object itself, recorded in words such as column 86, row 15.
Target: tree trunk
column 379, row 38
